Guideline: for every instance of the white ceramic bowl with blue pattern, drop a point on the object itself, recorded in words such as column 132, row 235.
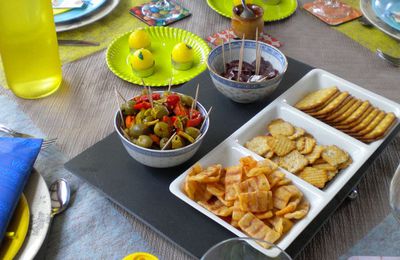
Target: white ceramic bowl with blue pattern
column 245, row 92
column 158, row 158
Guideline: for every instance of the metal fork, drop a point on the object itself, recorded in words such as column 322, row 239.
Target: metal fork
column 46, row 143
column 393, row 60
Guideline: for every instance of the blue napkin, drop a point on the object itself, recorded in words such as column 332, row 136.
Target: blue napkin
column 17, row 156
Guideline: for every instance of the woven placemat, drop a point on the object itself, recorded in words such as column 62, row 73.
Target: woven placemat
column 370, row 38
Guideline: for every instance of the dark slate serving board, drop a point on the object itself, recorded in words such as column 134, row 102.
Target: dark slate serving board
column 144, row 191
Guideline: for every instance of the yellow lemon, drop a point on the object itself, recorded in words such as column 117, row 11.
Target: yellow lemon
column 139, row 39
column 142, row 62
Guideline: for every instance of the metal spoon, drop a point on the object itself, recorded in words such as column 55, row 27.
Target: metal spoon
column 60, row 194
column 365, row 22
column 395, row 61
column 247, row 13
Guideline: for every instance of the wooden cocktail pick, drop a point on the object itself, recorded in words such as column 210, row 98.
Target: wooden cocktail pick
column 169, row 85
column 223, row 56
column 119, row 108
column 241, row 59
column 204, row 121
column 257, row 54
column 168, row 142
column 194, row 101
column 149, row 93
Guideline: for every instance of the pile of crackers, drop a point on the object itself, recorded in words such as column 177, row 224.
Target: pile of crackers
column 348, row 114
column 253, row 196
column 295, row 150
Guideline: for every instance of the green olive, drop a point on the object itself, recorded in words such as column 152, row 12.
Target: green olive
column 159, row 111
column 127, row 108
column 144, row 141
column 177, row 142
column 161, row 129
column 163, row 141
column 137, row 129
column 192, row 131
column 187, row 100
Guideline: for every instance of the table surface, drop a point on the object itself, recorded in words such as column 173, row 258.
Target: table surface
column 79, row 115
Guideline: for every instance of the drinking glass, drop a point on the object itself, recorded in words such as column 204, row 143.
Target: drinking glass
column 333, row 9
column 162, row 10
column 245, row 248
column 29, row 49
column 394, row 195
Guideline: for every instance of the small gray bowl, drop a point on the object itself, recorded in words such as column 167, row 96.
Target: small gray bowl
column 161, row 158
column 246, row 92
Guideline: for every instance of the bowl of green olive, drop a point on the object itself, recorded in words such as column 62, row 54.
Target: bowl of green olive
column 162, row 129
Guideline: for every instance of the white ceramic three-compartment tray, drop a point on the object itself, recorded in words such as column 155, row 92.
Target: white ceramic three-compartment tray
column 232, row 149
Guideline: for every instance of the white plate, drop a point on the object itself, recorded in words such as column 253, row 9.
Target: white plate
column 232, row 149
column 366, row 9
column 97, row 15
column 37, row 194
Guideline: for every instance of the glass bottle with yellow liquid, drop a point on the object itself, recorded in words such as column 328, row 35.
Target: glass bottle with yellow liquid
column 28, row 48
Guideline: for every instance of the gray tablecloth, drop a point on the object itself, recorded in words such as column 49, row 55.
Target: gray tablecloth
column 383, row 240
column 91, row 228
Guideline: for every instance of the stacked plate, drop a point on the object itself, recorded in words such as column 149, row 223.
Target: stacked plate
column 30, row 221
column 92, row 11
column 382, row 14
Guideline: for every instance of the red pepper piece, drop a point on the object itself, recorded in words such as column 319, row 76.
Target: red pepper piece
column 195, row 121
column 142, row 105
column 172, row 100
column 180, row 110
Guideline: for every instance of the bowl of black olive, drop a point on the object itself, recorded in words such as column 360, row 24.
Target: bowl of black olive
column 162, row 129
column 246, row 75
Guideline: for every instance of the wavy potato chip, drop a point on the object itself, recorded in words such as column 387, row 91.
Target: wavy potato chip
column 217, row 207
column 233, row 176
column 259, row 145
column 216, row 189
column 265, row 215
column 258, row 201
column 334, row 155
column 210, row 174
column 314, row 176
column 254, row 227
column 298, row 133
column 309, row 144
column 257, row 183
column 315, row 154
column 283, row 194
column 281, row 145
column 301, row 211
column 293, row 162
